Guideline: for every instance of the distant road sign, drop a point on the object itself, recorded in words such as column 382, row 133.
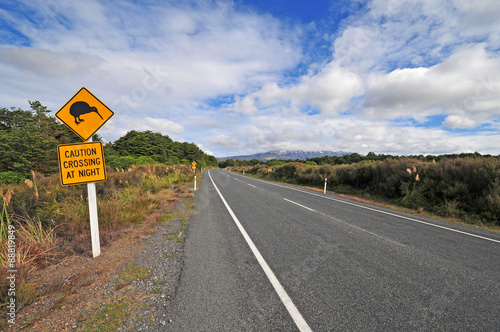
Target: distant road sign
column 84, row 113
column 81, row 163
column 194, row 164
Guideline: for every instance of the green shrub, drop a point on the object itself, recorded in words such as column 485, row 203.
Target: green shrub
column 11, row 177
column 123, row 162
column 145, row 160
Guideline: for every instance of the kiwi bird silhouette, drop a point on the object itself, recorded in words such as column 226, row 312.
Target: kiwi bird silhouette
column 79, row 108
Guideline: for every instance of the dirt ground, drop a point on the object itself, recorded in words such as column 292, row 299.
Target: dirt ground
column 108, row 293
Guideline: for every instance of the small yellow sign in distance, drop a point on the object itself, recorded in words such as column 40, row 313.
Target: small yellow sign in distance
column 84, row 114
column 81, row 163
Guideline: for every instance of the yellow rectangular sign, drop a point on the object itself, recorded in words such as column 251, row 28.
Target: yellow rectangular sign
column 81, row 163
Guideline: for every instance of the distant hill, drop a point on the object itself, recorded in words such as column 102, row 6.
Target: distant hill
column 286, row 155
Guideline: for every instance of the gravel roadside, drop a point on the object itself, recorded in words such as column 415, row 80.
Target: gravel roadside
column 163, row 255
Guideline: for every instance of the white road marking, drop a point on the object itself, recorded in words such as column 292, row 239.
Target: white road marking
column 384, row 212
column 346, row 223
column 251, row 185
column 287, row 301
column 303, row 206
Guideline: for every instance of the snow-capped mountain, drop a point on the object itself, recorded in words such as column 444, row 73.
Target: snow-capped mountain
column 286, row 155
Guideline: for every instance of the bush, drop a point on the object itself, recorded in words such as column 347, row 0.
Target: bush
column 145, row 160
column 11, row 177
column 122, row 162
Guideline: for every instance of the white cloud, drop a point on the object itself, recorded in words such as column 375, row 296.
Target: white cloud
column 458, row 121
column 352, row 134
column 466, row 83
column 245, row 105
column 329, row 91
column 481, row 18
column 46, row 62
column 224, row 141
column 198, row 52
column 163, row 126
column 409, row 33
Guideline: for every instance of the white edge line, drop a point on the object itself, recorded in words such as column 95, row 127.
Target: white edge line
column 287, row 301
column 305, row 207
column 251, row 185
column 384, row 212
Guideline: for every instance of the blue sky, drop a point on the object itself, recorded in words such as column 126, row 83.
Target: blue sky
column 240, row 77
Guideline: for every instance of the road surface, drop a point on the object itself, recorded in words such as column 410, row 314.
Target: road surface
column 263, row 256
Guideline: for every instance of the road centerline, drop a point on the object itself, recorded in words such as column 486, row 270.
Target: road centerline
column 302, row 206
column 285, row 299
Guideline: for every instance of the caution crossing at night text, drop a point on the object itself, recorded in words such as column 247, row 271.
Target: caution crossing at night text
column 81, row 163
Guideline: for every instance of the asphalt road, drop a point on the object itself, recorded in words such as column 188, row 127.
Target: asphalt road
column 338, row 265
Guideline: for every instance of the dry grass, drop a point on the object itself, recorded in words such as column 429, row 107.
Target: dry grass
column 52, row 221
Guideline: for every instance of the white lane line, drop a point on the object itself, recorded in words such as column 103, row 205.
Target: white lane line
column 387, row 213
column 251, row 185
column 287, row 301
column 346, row 223
column 303, row 206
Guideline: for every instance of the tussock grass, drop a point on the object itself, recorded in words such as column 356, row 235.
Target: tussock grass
column 52, row 221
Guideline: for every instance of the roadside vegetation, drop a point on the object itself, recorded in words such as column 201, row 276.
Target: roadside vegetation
column 461, row 187
column 51, row 221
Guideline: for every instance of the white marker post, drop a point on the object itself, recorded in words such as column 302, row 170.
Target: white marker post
column 94, row 222
column 326, row 180
column 195, row 182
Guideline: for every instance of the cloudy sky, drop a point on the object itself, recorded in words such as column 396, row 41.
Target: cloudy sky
column 242, row 76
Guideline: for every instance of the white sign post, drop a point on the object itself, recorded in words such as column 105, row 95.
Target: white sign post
column 94, row 221
column 326, row 180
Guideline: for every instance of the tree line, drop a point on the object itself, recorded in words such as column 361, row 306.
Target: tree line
column 29, row 140
column 149, row 148
column 352, row 158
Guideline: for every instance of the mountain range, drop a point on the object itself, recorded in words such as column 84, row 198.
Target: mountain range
column 285, row 155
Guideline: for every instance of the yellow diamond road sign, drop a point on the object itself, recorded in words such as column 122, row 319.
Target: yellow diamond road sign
column 81, row 163
column 84, row 113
